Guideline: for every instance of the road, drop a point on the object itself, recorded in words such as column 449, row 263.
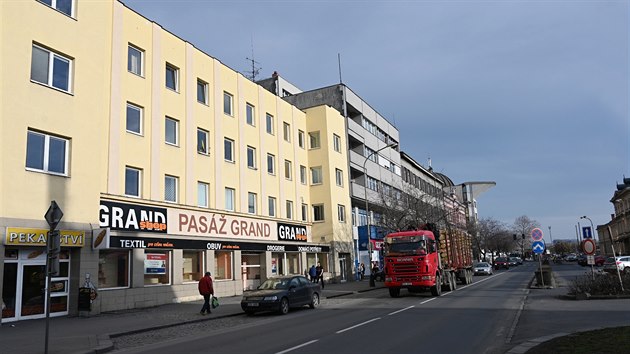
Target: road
column 478, row 318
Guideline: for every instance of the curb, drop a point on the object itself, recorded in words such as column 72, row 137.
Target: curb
column 524, row 347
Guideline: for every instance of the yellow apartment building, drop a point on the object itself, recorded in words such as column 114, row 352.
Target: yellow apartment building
column 165, row 162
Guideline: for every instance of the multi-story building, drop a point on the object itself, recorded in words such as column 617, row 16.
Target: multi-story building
column 617, row 229
column 165, row 162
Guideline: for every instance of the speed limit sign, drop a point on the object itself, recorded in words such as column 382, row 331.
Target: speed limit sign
column 588, row 247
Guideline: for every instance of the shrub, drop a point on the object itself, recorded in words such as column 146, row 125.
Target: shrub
column 602, row 284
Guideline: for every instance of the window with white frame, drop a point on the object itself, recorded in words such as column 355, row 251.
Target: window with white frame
column 134, row 118
column 286, row 129
column 228, row 103
column 289, row 207
column 339, row 177
column 271, row 164
column 316, row 175
column 229, row 198
column 287, row 169
column 170, row 188
column 301, row 139
column 269, row 123
column 172, row 77
column 372, row 183
column 337, row 143
column 133, row 181
column 202, row 92
column 302, row 174
column 202, row 141
column 341, row 213
column 135, row 60
column 171, row 131
column 251, row 202
column 318, row 212
column 271, row 205
column 228, row 150
column 51, row 69
column 202, row 194
column 314, row 140
column 304, row 212
column 47, row 153
column 64, row 6
column 251, row 157
column 250, row 112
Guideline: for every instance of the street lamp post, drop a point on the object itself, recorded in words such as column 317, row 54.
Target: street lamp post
column 550, row 237
column 367, row 210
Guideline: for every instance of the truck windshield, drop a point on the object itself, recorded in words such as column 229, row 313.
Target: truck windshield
column 405, row 248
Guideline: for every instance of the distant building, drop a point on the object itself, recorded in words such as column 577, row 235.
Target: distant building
column 617, row 229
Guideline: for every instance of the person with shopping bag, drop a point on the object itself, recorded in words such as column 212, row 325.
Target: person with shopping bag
column 207, row 291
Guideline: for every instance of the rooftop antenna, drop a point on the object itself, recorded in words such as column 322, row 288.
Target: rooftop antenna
column 255, row 70
column 339, row 62
column 430, row 167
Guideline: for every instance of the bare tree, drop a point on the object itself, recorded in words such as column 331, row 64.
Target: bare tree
column 523, row 225
column 490, row 236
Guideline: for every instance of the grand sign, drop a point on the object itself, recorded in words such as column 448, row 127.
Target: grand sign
column 37, row 237
column 132, row 217
column 289, row 232
column 192, row 223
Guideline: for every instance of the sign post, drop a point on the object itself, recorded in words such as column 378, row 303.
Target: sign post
column 538, row 247
column 53, row 217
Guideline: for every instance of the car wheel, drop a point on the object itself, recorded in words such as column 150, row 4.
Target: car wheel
column 314, row 301
column 284, row 306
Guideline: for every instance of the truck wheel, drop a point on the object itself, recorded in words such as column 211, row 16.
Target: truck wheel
column 436, row 290
column 394, row 292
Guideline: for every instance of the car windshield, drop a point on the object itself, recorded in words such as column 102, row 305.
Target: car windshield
column 270, row 284
column 483, row 264
column 501, row 259
column 405, row 248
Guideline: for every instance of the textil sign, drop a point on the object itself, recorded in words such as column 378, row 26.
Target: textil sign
column 192, row 223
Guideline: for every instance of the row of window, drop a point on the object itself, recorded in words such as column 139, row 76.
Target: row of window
column 416, row 181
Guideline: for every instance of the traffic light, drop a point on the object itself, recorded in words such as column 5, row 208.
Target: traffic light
column 523, row 236
column 514, row 237
column 54, row 247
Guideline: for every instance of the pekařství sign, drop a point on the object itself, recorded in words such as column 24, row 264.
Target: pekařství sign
column 37, row 237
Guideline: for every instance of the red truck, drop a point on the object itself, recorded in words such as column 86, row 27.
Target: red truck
column 420, row 260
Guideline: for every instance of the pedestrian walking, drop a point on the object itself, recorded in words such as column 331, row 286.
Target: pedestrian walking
column 313, row 274
column 362, row 270
column 320, row 274
column 207, row 290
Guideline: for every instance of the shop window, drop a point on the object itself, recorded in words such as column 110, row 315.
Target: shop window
column 113, row 269
column 223, row 265
column 157, row 266
column 192, row 266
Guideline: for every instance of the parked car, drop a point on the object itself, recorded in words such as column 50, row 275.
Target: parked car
column 501, row 262
column 483, row 268
column 613, row 263
column 571, row 257
column 513, row 261
column 599, row 260
column 282, row 293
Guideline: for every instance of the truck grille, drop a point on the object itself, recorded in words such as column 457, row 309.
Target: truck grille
column 406, row 272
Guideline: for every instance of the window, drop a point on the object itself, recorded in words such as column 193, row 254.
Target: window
column 223, row 265
column 228, row 147
column 318, row 212
column 339, row 177
column 157, row 267
column 304, row 212
column 227, row 103
column 202, row 194
column 271, row 202
column 269, row 123
column 286, row 128
column 271, row 164
column 337, row 143
column 46, row 153
column 287, row 169
column 202, row 141
column 229, row 199
column 372, row 183
column 192, row 267
column 171, row 129
column 202, row 91
column 251, row 203
column 301, row 139
column 113, row 268
column 314, row 140
column 134, row 119
column 135, row 60
column 133, row 178
column 249, row 114
column 302, row 174
column 170, row 188
column 50, row 69
column 316, row 175
column 289, row 206
column 172, row 77
column 64, row 6
column 341, row 213
column 251, row 157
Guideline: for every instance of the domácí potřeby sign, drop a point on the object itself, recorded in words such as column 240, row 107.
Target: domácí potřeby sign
column 132, row 217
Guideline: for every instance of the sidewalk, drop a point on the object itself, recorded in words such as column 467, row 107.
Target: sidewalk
column 92, row 334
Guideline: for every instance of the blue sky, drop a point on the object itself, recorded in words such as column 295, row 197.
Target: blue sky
column 530, row 94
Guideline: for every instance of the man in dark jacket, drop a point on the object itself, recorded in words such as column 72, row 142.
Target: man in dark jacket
column 206, row 289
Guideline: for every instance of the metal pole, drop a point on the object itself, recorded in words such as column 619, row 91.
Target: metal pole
column 550, row 236
column 577, row 235
column 612, row 246
column 47, row 291
column 542, row 279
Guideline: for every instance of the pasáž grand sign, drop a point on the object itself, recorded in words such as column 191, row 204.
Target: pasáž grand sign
column 192, row 223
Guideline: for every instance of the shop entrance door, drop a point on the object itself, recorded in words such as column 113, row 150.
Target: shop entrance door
column 33, row 297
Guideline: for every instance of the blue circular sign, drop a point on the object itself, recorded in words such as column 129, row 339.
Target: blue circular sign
column 538, row 247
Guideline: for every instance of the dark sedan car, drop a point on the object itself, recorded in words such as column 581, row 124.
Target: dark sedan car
column 501, row 262
column 280, row 294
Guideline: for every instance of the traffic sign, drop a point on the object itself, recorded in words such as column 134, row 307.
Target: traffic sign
column 587, row 232
column 537, row 234
column 538, row 247
column 588, row 247
column 53, row 215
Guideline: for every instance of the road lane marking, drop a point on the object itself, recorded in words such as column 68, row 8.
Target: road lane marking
column 425, row 301
column 401, row 310
column 358, row 325
column 297, row 346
